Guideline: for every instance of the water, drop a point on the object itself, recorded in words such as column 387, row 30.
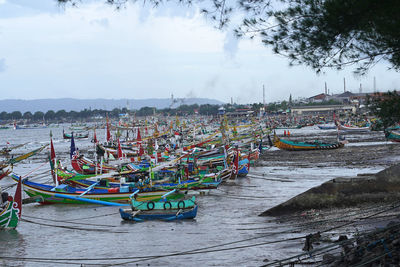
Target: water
column 226, row 232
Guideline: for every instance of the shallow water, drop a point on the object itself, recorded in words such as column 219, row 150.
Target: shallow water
column 226, row 232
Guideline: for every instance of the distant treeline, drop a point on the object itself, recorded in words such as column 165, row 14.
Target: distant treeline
column 183, row 110
column 87, row 114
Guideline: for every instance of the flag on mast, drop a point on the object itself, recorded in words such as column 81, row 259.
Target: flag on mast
column 52, row 159
column 120, row 155
column 73, row 150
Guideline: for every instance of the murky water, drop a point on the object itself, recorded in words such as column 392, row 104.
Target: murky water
column 226, row 232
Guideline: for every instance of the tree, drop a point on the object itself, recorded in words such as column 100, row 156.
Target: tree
column 386, row 107
column 61, row 114
column 145, row 111
column 317, row 33
column 38, row 115
column 4, row 116
column 50, row 114
column 16, row 115
column 27, row 115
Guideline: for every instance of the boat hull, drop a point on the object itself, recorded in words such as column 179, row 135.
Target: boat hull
column 129, row 215
column 299, row 146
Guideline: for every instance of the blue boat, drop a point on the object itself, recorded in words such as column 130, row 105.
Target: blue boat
column 164, row 215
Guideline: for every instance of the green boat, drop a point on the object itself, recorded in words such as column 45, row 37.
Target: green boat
column 54, row 194
column 392, row 135
column 163, row 205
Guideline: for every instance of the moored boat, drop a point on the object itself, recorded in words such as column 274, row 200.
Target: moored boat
column 314, row 145
column 53, row 194
column 78, row 135
column 393, row 136
column 165, row 215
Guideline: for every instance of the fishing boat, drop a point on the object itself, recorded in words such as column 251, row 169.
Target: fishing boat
column 106, row 181
column 6, row 167
column 314, row 145
column 5, row 170
column 393, row 136
column 244, row 167
column 165, row 215
column 84, row 165
column 163, row 204
column 353, row 128
column 327, row 126
column 6, row 150
column 10, row 213
column 66, row 194
column 78, row 135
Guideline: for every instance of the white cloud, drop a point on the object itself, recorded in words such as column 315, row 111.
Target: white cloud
column 2, row 64
column 95, row 51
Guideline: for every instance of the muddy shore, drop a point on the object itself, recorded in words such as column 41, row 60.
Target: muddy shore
column 345, row 212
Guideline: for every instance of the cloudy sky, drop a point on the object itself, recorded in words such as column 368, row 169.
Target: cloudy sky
column 93, row 51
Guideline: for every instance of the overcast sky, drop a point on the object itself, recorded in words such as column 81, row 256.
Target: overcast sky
column 93, row 51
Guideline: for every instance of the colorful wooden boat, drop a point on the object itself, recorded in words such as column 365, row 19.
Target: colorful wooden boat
column 84, row 165
column 47, row 193
column 244, row 168
column 315, row 145
column 164, row 205
column 327, row 126
column 353, row 128
column 6, row 167
column 11, row 213
column 208, row 181
column 5, row 170
column 78, row 135
column 6, row 150
column 165, row 215
column 393, row 136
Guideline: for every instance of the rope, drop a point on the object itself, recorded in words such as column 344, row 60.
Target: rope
column 33, row 170
column 73, row 228
column 62, row 221
column 330, row 229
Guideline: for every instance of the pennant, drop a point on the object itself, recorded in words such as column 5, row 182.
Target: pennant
column 236, row 162
column 95, row 137
column 73, row 150
column 18, row 197
column 120, row 155
column 108, row 130
column 139, row 137
column 141, row 151
column 52, row 159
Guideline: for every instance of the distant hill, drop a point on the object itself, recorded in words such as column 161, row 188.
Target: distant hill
column 68, row 104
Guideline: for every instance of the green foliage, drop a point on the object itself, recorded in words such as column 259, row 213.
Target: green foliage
column 386, row 107
column 50, row 115
column 328, row 33
column 145, row 111
column 16, row 115
column 38, row 116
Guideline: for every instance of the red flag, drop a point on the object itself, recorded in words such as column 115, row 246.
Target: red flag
column 139, row 137
column 18, row 196
column 53, row 160
column 108, row 131
column 236, row 161
column 120, row 155
column 95, row 137
column 141, row 151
